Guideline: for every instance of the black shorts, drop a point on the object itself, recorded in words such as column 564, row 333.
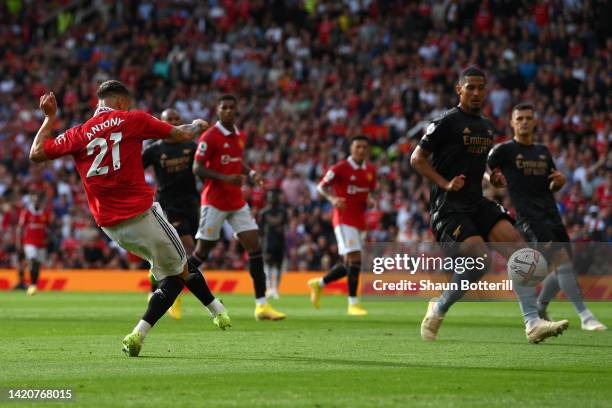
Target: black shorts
column 458, row 226
column 184, row 220
column 545, row 233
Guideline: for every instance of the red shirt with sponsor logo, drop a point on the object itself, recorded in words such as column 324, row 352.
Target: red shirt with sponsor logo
column 107, row 153
column 352, row 182
column 34, row 224
column 221, row 150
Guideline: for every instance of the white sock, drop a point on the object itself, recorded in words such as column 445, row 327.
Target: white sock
column 261, row 301
column 437, row 311
column 215, row 307
column 142, row 327
column 321, row 282
column 585, row 315
column 353, row 300
column 531, row 322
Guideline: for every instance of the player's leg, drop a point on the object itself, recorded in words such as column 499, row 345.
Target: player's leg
column 186, row 229
column 147, row 237
column 277, row 270
column 564, row 273
column 272, row 269
column 20, row 271
column 151, row 237
column 536, row 329
column 458, row 231
column 472, row 246
column 34, row 257
column 269, row 272
column 337, row 272
column 208, row 233
column 246, row 230
column 251, row 243
column 353, row 264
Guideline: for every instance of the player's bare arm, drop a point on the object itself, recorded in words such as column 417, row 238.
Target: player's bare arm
column 203, row 173
column 420, row 161
column 187, row 132
column 48, row 105
column 496, row 178
column 338, row 202
column 557, row 181
column 253, row 175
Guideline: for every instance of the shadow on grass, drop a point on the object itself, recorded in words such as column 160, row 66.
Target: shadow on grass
column 355, row 363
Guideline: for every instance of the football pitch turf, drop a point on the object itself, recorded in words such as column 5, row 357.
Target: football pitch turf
column 316, row 358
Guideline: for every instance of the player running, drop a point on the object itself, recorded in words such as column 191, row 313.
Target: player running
column 32, row 232
column 218, row 163
column 352, row 180
column 527, row 168
column 176, row 189
column 107, row 153
column 458, row 143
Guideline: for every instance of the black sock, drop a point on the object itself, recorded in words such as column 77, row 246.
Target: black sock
column 195, row 261
column 198, row 286
column 353, row 278
column 338, row 271
column 163, row 298
column 34, row 272
column 256, row 269
column 21, row 274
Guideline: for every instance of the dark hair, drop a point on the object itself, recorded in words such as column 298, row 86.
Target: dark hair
column 227, row 97
column 470, row 72
column 112, row 88
column 523, row 106
column 360, row 137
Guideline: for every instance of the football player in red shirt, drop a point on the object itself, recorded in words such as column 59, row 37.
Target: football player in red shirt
column 32, row 230
column 352, row 180
column 218, row 163
column 107, row 153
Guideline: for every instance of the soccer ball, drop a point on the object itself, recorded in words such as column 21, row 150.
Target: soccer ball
column 527, row 267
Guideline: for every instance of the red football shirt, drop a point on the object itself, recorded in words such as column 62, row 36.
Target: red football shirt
column 107, row 153
column 221, row 150
column 35, row 224
column 352, row 182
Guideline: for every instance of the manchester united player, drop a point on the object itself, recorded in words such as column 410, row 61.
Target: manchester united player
column 527, row 168
column 32, row 233
column 218, row 163
column 458, row 143
column 352, row 180
column 176, row 189
column 107, row 153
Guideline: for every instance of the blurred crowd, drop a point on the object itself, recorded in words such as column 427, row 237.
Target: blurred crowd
column 309, row 75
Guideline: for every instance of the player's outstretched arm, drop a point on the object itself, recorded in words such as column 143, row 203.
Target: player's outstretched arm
column 48, row 105
column 420, row 161
column 185, row 133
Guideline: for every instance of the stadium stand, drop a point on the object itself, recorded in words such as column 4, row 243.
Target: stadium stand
column 309, row 75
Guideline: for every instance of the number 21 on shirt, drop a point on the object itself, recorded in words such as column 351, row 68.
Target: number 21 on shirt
column 95, row 169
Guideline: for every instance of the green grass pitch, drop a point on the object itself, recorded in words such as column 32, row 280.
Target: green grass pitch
column 315, row 358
